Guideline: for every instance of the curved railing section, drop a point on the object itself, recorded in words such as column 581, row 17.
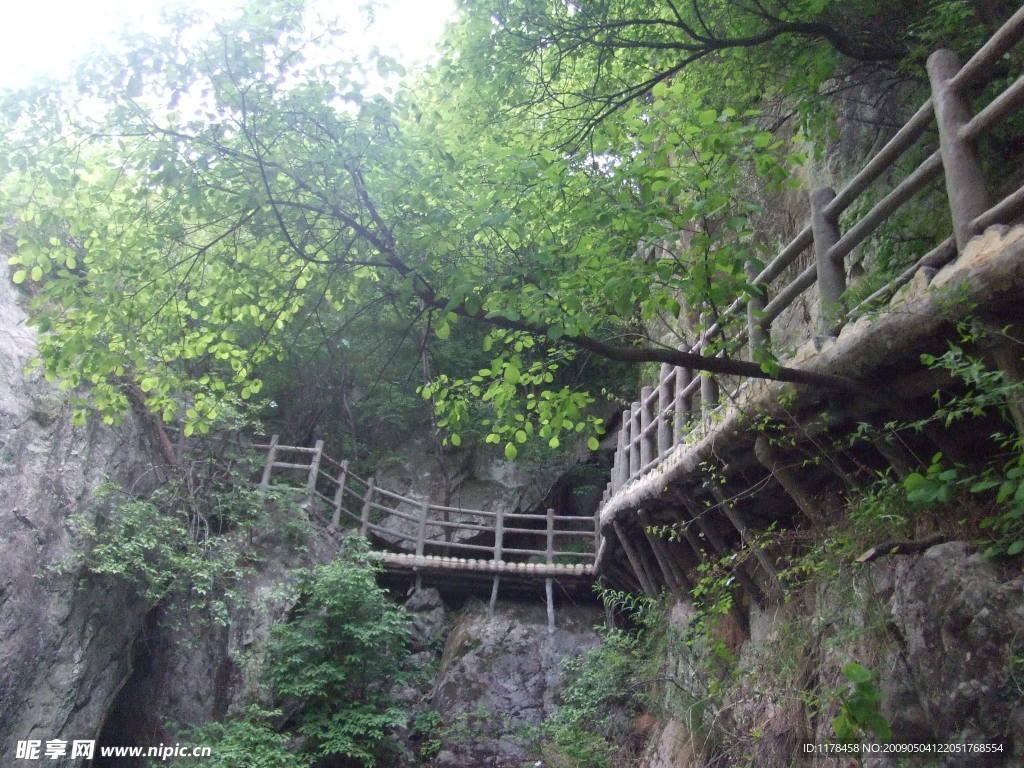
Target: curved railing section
column 420, row 529
column 665, row 414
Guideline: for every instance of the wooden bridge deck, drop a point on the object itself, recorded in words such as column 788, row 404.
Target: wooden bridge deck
column 500, row 567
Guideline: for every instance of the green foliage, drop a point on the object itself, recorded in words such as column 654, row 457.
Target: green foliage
column 338, row 654
column 249, row 741
column 184, row 538
column 858, row 714
column 596, row 702
column 985, row 390
column 331, row 665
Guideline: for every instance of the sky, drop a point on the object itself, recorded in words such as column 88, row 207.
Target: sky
column 45, row 37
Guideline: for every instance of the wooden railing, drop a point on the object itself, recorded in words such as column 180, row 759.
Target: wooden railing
column 664, row 415
column 420, row 527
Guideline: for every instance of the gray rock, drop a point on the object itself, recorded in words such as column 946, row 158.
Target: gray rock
column 501, row 676
column 66, row 646
column 428, row 614
column 961, row 625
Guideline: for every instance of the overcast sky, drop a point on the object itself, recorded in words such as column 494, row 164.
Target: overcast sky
column 46, row 36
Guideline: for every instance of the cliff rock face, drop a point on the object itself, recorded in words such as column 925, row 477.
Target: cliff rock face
column 501, row 675
column 942, row 631
column 66, row 646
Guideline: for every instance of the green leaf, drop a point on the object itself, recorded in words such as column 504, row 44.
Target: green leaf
column 510, row 452
column 593, row 443
column 856, row 673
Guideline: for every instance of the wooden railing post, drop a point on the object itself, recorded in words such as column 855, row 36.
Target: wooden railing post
column 646, row 441
column 421, row 534
column 364, row 517
column 339, row 494
column 268, row 468
column 665, row 379
column 757, row 334
column 550, row 559
column 965, row 182
column 314, row 471
column 499, row 537
column 831, row 275
column 620, row 473
column 708, row 385
column 634, row 447
column 499, row 534
column 683, row 403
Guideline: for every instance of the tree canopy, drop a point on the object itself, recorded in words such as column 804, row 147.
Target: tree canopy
column 194, row 206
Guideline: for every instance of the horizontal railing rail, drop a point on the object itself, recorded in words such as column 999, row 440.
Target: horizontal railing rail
column 682, row 400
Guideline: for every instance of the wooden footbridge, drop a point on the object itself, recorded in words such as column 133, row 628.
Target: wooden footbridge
column 418, row 536
column 686, row 459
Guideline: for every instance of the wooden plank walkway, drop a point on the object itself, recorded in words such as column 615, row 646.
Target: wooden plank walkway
column 439, row 562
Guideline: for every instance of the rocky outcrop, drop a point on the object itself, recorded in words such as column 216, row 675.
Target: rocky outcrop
column 501, row 675
column 65, row 645
column 960, row 629
column 943, row 632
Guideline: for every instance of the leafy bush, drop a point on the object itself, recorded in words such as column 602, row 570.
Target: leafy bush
column 183, row 538
column 338, row 656
column 330, row 667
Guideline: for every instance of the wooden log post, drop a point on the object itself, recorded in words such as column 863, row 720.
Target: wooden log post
column 770, row 460
column 683, row 404
column 339, row 494
column 550, row 559
column 965, row 182
column 1008, row 361
column 661, row 554
column 831, row 275
column 646, row 417
column 757, row 334
column 499, row 539
column 686, row 526
column 620, row 475
column 649, row 588
column 364, row 515
column 736, row 517
column 268, row 468
column 634, row 442
column 625, row 578
column 720, row 548
column 708, row 384
column 421, row 532
column 314, row 471
column 898, row 457
column 665, row 380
